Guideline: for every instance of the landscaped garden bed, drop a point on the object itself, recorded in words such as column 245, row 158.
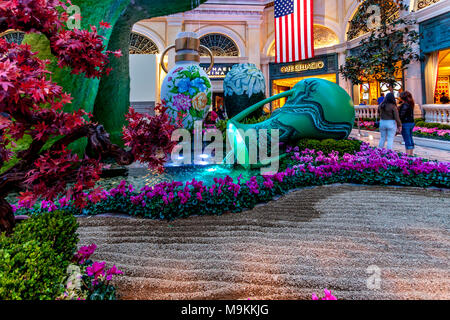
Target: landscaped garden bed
column 422, row 129
column 40, row 261
column 53, row 155
column 301, row 168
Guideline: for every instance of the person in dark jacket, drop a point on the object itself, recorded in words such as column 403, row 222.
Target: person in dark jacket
column 444, row 98
column 390, row 123
column 406, row 112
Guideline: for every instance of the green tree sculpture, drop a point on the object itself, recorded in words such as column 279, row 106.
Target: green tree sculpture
column 389, row 47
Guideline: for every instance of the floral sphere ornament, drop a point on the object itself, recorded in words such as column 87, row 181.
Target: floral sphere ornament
column 243, row 86
column 186, row 90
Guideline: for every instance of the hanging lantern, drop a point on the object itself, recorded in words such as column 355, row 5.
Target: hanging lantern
column 186, row 90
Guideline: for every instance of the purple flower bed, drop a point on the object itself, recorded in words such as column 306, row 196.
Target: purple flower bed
column 91, row 279
column 433, row 133
column 304, row 168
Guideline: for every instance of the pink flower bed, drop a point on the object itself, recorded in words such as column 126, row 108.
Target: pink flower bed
column 169, row 200
column 432, row 131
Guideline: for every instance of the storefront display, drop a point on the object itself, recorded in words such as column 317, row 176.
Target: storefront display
column 284, row 76
column 217, row 74
column 435, row 47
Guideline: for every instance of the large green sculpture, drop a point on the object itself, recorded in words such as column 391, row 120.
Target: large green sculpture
column 315, row 108
column 109, row 98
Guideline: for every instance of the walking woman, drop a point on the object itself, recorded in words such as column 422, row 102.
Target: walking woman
column 390, row 123
column 406, row 112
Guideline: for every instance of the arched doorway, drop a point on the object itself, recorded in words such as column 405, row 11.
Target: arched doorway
column 221, row 46
column 13, row 36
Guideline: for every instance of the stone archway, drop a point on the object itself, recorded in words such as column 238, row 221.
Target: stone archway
column 226, row 32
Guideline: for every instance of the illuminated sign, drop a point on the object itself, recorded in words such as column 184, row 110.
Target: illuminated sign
column 299, row 67
column 219, row 70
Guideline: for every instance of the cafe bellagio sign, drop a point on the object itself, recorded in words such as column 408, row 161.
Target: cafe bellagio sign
column 301, row 66
column 323, row 64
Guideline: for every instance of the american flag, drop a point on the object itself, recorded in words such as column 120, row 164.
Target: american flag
column 294, row 37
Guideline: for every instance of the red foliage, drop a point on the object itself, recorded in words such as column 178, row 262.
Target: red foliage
column 31, row 105
column 142, row 129
column 81, row 50
column 105, row 25
column 54, row 169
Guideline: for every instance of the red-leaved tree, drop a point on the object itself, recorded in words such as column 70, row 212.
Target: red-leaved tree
column 31, row 105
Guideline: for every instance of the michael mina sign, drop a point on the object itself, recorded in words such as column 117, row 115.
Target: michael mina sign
column 219, row 71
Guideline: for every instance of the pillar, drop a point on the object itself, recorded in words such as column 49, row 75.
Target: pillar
column 174, row 26
column 413, row 76
column 346, row 85
column 254, row 42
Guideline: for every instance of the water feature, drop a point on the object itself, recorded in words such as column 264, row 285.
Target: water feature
column 140, row 176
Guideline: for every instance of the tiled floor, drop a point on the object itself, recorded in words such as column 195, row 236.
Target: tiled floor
column 424, row 152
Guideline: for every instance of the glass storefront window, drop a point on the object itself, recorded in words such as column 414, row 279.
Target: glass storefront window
column 369, row 92
column 441, row 92
column 283, row 85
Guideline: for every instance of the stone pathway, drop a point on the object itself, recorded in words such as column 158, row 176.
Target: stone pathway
column 421, row 151
column 336, row 237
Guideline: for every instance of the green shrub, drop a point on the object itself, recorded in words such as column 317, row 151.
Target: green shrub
column 222, row 125
column 255, row 120
column 34, row 259
column 329, row 145
column 423, row 124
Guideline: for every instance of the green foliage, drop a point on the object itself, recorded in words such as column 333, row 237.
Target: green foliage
column 21, row 144
column 254, row 120
column 388, row 50
column 329, row 145
column 222, row 124
column 34, row 259
column 440, row 126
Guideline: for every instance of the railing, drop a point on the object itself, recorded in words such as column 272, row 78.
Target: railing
column 438, row 113
column 366, row 111
column 371, row 111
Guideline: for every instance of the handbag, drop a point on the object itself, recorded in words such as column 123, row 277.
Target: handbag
column 377, row 122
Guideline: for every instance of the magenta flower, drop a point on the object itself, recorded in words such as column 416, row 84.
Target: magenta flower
column 96, row 270
column 182, row 102
column 84, row 253
column 328, row 296
column 113, row 271
column 63, row 202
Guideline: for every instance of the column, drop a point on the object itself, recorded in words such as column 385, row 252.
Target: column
column 346, row 85
column 413, row 77
column 254, row 42
column 174, row 26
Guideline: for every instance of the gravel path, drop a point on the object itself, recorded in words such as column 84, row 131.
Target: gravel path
column 325, row 237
